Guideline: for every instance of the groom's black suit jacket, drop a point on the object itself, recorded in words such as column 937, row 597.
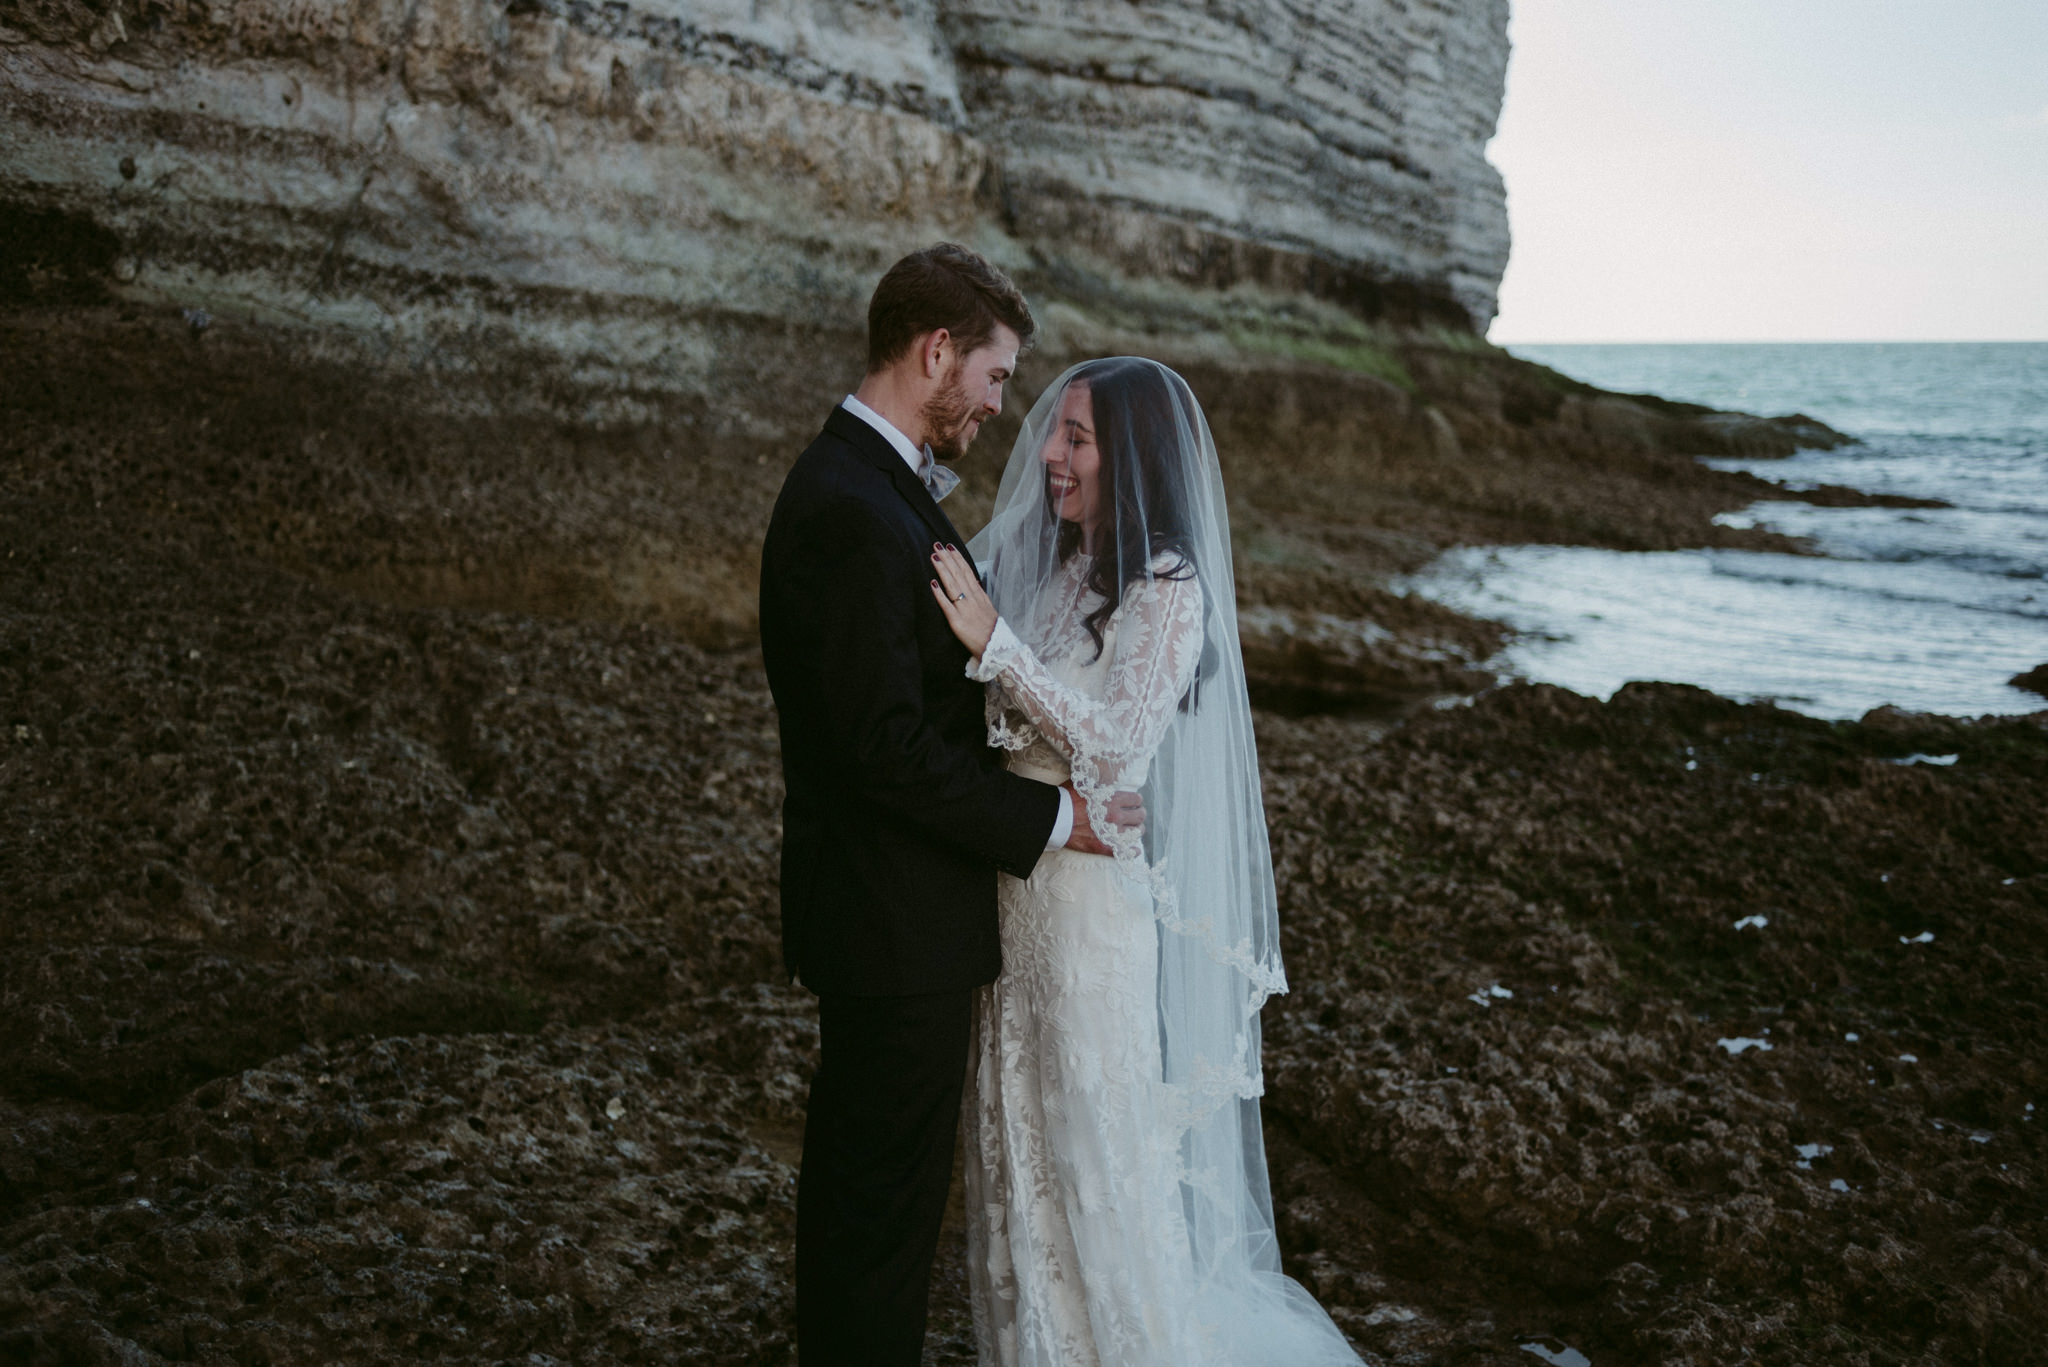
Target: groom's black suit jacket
column 897, row 815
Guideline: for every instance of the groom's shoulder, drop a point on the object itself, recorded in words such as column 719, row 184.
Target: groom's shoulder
column 848, row 449
column 827, row 456
column 830, row 476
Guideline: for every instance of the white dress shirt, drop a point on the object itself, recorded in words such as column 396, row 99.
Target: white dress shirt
column 918, row 461
column 905, row 448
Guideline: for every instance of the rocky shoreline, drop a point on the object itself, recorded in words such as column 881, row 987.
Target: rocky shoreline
column 387, row 953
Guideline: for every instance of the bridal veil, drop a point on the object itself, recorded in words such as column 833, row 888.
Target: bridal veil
column 1203, row 850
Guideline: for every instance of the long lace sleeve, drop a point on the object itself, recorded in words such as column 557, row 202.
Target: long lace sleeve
column 1109, row 740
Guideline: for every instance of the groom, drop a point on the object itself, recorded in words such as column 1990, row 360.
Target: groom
column 897, row 816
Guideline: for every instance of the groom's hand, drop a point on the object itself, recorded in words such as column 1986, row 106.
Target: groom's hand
column 1126, row 810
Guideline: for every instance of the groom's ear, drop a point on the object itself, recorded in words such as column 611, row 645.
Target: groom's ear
column 933, row 349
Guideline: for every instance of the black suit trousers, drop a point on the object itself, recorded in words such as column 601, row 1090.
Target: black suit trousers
column 884, row 1115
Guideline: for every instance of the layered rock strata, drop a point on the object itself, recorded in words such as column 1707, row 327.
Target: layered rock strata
column 677, row 197
column 1333, row 148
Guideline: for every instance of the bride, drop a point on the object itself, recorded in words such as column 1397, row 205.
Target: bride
column 1117, row 1198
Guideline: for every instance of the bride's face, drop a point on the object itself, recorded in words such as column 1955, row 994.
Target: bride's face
column 1073, row 463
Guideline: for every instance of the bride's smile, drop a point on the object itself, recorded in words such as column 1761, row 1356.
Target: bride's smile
column 1073, row 462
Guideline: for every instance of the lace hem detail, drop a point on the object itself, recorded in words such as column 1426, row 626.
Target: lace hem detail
column 1007, row 729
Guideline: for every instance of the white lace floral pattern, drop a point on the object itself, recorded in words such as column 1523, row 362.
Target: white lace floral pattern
column 1078, row 1250
column 1112, row 721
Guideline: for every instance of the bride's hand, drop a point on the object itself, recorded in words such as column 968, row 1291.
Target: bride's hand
column 967, row 608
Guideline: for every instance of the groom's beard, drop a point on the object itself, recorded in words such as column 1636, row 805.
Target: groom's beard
column 951, row 417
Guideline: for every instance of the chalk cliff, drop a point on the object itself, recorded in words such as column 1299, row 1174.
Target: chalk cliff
column 1335, row 147
column 661, row 195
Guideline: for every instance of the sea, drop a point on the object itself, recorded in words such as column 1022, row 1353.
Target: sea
column 1926, row 609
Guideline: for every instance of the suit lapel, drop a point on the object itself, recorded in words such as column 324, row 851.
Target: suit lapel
column 875, row 449
column 918, row 497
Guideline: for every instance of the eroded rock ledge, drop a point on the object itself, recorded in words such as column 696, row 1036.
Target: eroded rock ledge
column 483, row 488
column 657, row 194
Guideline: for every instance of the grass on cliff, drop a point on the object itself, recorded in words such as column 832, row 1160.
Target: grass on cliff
column 1359, row 356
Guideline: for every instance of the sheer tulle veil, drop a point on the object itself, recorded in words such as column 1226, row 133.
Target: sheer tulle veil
column 1203, row 853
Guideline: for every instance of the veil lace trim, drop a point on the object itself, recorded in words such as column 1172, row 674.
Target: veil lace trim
column 1153, row 700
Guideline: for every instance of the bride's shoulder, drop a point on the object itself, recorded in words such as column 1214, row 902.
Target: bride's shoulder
column 1170, row 578
column 1170, row 566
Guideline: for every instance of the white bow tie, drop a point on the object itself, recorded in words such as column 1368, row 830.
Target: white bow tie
column 938, row 479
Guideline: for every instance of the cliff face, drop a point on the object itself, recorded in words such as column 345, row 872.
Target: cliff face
column 659, row 193
column 1335, row 147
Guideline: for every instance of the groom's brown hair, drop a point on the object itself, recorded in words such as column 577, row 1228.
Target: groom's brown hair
column 944, row 286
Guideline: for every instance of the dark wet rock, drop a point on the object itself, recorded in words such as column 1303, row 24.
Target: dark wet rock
column 1505, row 1071
column 1313, row 643
column 2034, row 680
column 592, row 1195
column 1746, row 434
column 388, row 802
column 1842, row 496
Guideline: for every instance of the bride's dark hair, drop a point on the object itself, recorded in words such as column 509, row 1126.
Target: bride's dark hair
column 1138, row 422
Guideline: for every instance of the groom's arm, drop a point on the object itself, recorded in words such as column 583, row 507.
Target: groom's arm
column 861, row 592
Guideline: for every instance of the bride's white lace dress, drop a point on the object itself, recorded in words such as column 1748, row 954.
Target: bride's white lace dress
column 1119, row 1211
column 1078, row 1247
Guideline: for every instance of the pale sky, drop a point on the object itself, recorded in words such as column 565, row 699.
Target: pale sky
column 1776, row 170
